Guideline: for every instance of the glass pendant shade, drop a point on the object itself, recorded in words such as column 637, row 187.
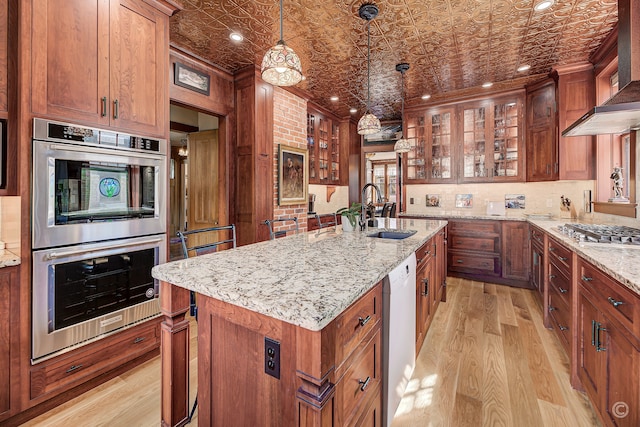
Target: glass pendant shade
column 402, row 146
column 281, row 66
column 368, row 124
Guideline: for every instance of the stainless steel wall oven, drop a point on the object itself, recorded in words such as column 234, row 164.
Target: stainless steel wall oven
column 98, row 227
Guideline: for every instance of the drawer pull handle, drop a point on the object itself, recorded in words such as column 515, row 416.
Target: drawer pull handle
column 563, row 328
column 563, row 291
column 614, row 302
column 552, row 276
column 139, row 340
column 587, row 279
column 427, row 252
column 551, row 308
column 562, row 258
column 425, row 282
column 459, row 261
column 364, row 384
column 551, row 249
column 104, row 106
column 115, row 109
column 593, row 333
column 73, row 368
column 364, row 321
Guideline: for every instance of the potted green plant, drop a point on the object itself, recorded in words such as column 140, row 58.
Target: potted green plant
column 350, row 216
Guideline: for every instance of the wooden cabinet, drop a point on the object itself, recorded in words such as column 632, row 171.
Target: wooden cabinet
column 101, row 62
column 468, row 142
column 538, row 261
column 609, row 346
column 542, row 142
column 60, row 373
column 488, row 250
column 559, row 291
column 327, row 377
column 431, row 158
column 425, row 287
column 4, row 59
column 576, row 96
column 325, row 149
column 492, row 134
column 9, row 344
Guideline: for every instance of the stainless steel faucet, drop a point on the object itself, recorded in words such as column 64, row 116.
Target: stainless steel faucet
column 363, row 219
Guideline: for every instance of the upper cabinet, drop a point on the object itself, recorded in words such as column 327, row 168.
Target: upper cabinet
column 470, row 142
column 542, row 142
column 101, row 62
column 326, row 154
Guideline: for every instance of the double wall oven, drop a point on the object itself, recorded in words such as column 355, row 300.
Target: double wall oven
column 98, row 227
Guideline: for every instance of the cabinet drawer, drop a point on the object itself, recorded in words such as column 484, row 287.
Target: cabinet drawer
column 559, row 283
column 474, row 227
column 94, row 359
column 560, row 256
column 561, row 318
column 537, row 235
column 474, row 263
column 424, row 254
column 475, row 243
column 356, row 322
column 360, row 382
column 614, row 299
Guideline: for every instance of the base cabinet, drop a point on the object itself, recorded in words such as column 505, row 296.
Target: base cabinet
column 609, row 346
column 8, row 340
column 537, row 239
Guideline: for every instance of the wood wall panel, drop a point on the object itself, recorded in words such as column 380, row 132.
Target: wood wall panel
column 4, row 62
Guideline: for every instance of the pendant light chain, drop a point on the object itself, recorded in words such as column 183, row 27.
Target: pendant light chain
column 281, row 22
column 368, row 65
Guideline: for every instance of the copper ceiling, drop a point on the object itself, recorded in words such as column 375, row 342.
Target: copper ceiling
column 451, row 45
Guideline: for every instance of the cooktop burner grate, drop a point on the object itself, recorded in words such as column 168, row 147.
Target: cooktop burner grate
column 604, row 233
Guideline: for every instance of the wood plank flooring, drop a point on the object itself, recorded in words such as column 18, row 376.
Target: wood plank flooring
column 486, row 361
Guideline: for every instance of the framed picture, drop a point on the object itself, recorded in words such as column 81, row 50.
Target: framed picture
column 514, row 201
column 191, row 78
column 464, row 200
column 433, row 200
column 293, row 175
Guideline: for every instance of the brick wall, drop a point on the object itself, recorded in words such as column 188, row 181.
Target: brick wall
column 289, row 128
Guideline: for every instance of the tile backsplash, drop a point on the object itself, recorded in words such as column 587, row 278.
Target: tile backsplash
column 10, row 222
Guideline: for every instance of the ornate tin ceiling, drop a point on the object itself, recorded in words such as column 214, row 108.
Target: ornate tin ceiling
column 452, row 46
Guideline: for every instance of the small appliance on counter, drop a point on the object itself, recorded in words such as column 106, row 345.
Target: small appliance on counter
column 496, row 208
column 312, row 202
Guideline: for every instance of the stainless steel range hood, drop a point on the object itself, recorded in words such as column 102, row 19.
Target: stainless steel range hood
column 621, row 112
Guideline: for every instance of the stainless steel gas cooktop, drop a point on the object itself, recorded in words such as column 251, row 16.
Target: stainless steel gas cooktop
column 597, row 233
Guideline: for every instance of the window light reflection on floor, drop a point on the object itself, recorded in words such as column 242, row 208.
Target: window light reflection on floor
column 419, row 394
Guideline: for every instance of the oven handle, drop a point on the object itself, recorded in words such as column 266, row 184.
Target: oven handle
column 54, row 255
column 85, row 149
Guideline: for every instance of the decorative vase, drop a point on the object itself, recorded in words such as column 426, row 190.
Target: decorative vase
column 346, row 225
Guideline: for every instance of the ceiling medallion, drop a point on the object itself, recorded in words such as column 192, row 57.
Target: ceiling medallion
column 281, row 65
column 402, row 145
column 368, row 123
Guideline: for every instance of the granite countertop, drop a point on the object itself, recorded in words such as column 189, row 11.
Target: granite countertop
column 306, row 279
column 619, row 261
column 458, row 215
column 8, row 258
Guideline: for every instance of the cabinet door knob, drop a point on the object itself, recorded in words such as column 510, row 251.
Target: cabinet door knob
column 614, row 302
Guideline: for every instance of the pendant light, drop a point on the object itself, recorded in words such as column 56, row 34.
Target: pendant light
column 402, row 145
column 280, row 65
column 368, row 123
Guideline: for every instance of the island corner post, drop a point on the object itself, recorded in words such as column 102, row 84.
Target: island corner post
column 174, row 351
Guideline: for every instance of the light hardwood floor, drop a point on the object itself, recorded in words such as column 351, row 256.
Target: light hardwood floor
column 486, row 361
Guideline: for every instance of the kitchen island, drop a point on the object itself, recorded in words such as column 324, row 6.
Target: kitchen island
column 274, row 334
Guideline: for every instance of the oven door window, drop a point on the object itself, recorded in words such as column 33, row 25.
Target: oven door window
column 95, row 191
column 86, row 289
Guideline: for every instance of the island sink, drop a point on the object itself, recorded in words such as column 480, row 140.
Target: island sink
column 393, row 234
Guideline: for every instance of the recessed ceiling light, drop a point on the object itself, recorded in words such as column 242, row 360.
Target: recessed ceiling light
column 543, row 5
column 524, row 67
column 353, row 110
column 334, row 98
column 487, row 84
column 427, row 96
column 236, row 37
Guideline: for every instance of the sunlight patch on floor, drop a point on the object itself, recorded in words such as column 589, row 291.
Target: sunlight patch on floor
column 419, row 394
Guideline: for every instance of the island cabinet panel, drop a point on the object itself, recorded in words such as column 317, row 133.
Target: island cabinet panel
column 542, row 141
column 330, row 377
column 609, row 346
column 101, row 62
column 9, row 326
column 538, row 261
column 4, row 59
column 425, row 285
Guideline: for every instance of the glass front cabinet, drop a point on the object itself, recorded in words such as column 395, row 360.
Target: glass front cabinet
column 468, row 142
column 323, row 143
